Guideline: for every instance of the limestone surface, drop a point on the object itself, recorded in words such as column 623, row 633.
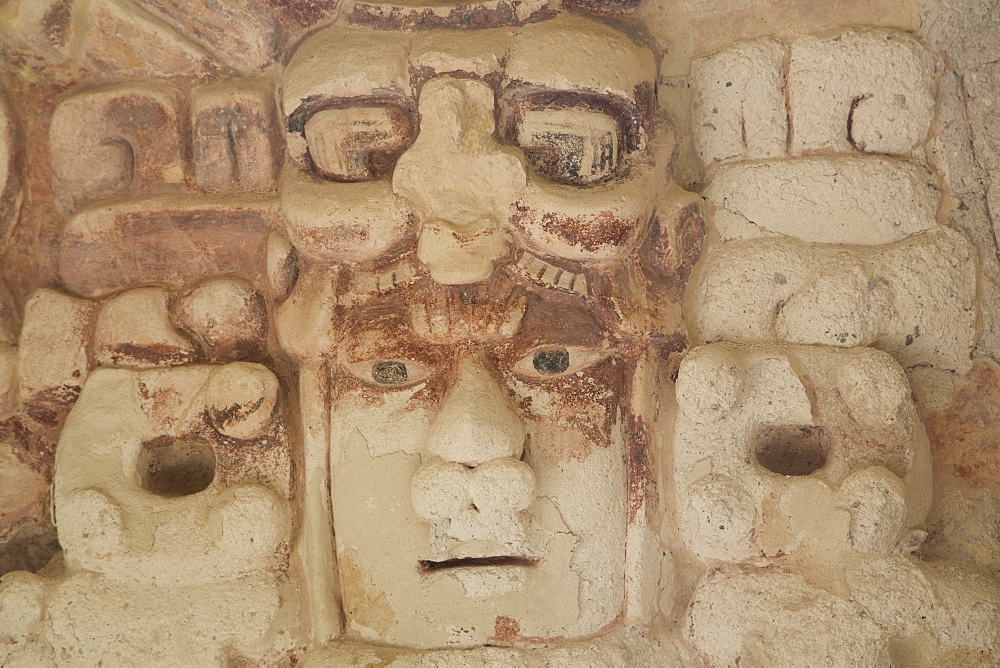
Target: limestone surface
column 504, row 332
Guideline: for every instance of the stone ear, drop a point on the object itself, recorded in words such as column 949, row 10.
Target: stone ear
column 120, row 140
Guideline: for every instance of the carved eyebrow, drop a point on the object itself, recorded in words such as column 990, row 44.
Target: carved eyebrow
column 295, row 122
column 442, row 314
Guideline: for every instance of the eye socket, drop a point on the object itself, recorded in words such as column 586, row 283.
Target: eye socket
column 353, row 144
column 571, row 146
column 390, row 374
column 550, row 362
column 571, row 137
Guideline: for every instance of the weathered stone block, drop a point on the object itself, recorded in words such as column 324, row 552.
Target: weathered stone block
column 845, row 200
column 166, row 241
column 171, row 503
column 739, row 102
column 54, row 353
column 916, row 299
column 134, row 330
column 119, row 140
column 769, row 444
column 235, row 147
column 870, row 91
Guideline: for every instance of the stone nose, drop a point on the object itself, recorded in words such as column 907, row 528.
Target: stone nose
column 456, row 174
column 445, row 490
column 476, row 421
column 472, row 461
column 459, row 181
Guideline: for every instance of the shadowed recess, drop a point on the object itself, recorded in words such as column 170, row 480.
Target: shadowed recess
column 792, row 449
column 170, row 467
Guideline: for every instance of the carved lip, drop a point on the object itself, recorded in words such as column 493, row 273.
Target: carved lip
column 428, row 566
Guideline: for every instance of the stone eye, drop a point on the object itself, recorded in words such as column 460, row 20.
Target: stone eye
column 551, row 362
column 389, row 372
column 357, row 143
column 571, row 146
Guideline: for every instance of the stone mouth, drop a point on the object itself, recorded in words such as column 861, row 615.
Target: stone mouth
column 428, row 566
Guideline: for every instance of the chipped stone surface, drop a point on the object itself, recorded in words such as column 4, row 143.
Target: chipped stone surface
column 849, row 200
column 133, row 329
column 815, row 558
column 786, row 290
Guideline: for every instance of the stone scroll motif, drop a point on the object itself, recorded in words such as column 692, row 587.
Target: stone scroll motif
column 381, row 333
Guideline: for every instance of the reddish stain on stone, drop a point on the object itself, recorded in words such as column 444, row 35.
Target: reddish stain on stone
column 505, row 630
column 965, row 437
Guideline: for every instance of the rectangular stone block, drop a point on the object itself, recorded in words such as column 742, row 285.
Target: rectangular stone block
column 739, row 102
column 235, row 146
column 871, row 91
column 109, row 248
column 848, row 200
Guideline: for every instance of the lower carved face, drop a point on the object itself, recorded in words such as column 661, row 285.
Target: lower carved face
column 797, row 450
column 478, row 473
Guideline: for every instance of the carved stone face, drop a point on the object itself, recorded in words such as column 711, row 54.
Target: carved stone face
column 796, row 450
column 480, row 485
column 478, row 469
column 470, row 142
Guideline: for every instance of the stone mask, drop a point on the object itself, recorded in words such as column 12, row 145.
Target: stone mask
column 482, row 489
column 474, row 143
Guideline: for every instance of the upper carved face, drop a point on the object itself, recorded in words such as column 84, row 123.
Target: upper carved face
column 473, row 143
column 481, row 467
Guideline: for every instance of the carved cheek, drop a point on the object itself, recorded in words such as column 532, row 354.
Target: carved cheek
column 599, row 222
column 341, row 222
column 571, row 418
column 388, row 422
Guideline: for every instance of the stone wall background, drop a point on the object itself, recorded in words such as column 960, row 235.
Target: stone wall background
column 961, row 411
column 966, row 33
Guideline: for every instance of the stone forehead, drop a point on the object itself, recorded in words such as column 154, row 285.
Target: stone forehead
column 350, row 61
column 496, row 311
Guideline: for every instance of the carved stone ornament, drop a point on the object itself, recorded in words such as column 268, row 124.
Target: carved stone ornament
column 510, row 332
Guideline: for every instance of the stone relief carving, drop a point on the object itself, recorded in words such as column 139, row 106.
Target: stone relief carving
column 381, row 333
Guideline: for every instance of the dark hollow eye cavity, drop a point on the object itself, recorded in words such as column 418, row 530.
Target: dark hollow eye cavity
column 551, row 362
column 389, row 372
